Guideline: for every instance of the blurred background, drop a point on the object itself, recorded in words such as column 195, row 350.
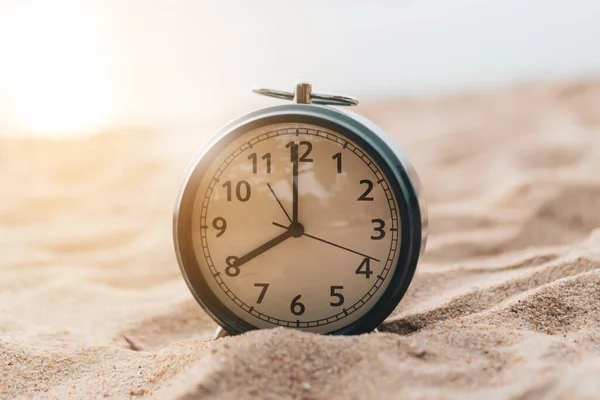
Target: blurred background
column 80, row 67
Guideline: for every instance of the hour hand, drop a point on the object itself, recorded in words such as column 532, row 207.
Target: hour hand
column 261, row 249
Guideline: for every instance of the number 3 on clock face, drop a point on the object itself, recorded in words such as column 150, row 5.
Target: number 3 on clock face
column 299, row 225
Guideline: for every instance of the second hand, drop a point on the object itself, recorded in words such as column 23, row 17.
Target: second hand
column 330, row 243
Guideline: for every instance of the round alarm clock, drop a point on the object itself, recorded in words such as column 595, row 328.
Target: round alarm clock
column 300, row 216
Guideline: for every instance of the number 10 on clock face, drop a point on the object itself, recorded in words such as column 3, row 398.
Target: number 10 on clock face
column 295, row 225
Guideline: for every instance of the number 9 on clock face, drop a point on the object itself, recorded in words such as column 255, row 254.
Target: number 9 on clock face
column 300, row 223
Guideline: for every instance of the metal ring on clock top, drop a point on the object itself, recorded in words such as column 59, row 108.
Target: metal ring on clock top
column 314, row 98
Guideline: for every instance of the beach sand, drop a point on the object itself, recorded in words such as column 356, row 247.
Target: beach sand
column 505, row 302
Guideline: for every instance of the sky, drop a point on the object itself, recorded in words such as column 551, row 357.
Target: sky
column 87, row 65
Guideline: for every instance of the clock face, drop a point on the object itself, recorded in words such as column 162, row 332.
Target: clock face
column 294, row 225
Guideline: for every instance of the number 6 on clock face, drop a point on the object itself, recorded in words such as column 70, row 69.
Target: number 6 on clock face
column 295, row 220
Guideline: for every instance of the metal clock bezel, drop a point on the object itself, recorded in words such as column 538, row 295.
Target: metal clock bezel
column 403, row 181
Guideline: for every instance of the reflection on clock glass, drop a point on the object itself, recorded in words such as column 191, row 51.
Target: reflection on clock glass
column 318, row 266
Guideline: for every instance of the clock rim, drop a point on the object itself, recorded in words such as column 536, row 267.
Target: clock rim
column 391, row 161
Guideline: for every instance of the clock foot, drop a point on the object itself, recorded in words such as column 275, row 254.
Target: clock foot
column 219, row 333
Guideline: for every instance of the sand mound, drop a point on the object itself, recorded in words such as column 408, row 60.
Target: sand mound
column 506, row 303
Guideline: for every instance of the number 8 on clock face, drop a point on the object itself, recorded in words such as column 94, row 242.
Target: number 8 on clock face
column 295, row 217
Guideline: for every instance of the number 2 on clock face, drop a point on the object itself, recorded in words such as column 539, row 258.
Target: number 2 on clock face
column 298, row 227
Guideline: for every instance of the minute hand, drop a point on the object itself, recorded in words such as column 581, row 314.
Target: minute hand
column 294, row 151
column 330, row 243
column 261, row 249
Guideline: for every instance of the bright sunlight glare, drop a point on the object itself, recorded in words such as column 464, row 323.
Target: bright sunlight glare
column 56, row 78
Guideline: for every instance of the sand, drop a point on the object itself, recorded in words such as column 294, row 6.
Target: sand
column 505, row 303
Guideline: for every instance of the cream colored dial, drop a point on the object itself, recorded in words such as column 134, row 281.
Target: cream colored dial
column 315, row 261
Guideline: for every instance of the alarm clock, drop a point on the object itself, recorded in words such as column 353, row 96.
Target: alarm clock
column 300, row 216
